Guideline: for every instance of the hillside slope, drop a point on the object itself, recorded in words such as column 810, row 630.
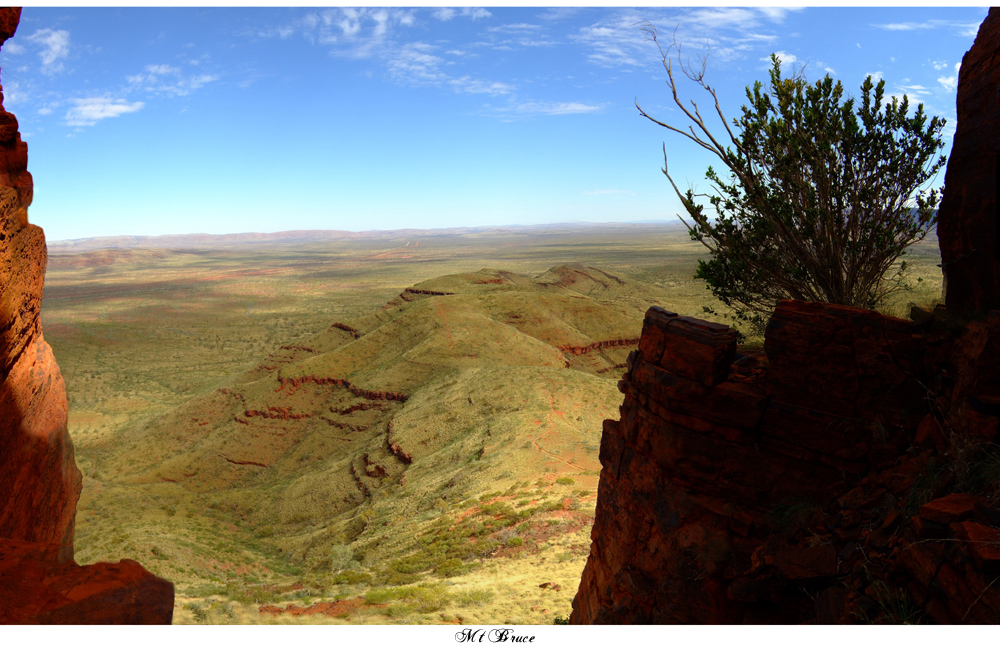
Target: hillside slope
column 464, row 391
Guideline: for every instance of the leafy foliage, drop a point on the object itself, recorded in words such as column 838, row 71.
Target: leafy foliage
column 819, row 200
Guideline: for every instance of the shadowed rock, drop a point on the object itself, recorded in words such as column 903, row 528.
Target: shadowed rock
column 790, row 491
column 967, row 226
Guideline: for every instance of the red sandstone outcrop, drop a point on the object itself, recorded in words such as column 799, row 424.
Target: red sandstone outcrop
column 38, row 589
column 792, row 493
column 276, row 413
column 967, row 227
column 39, row 581
column 293, row 383
column 39, row 479
column 597, row 345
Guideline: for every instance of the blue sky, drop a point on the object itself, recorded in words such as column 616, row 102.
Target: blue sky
column 149, row 121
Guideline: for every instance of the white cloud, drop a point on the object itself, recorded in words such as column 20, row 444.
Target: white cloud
column 786, row 60
column 777, row 14
column 728, row 33
column 177, row 85
column 162, row 69
column 965, row 29
column 415, row 64
column 830, row 70
column 13, row 48
column 87, row 112
column 549, row 108
column 559, row 13
column 950, row 82
column 915, row 89
column 55, row 48
column 520, row 27
column 476, row 86
column 447, row 13
column 530, row 42
column 444, row 13
column 476, row 13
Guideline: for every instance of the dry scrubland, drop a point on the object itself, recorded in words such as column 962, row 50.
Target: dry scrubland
column 219, row 449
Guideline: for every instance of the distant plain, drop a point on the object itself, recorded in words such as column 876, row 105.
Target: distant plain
column 219, row 450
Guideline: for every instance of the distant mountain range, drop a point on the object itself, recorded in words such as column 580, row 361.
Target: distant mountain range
column 174, row 241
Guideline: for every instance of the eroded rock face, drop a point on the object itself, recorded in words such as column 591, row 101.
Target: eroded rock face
column 967, row 217
column 39, row 475
column 36, row 589
column 39, row 480
column 791, row 490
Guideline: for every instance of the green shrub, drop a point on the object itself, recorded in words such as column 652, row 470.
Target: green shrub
column 820, row 196
column 352, row 577
column 474, row 598
column 451, row 568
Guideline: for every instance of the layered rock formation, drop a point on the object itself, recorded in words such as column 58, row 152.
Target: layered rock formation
column 39, row 582
column 790, row 488
column 39, row 472
column 968, row 214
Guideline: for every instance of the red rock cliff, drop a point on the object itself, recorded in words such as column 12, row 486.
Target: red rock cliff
column 39, row 472
column 968, row 220
column 834, row 483
column 39, row 582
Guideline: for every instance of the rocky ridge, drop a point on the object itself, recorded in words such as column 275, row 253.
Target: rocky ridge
column 39, row 581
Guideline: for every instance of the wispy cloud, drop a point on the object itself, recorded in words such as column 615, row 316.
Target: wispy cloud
column 554, row 108
column 87, row 112
column 169, row 80
column 516, row 28
column 560, row 13
column 55, row 48
column 447, row 13
column 949, row 82
column 13, row 48
column 728, row 33
column 379, row 35
column 966, row 29
column 416, row 64
column 478, row 86
column 915, row 90
column 355, row 32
